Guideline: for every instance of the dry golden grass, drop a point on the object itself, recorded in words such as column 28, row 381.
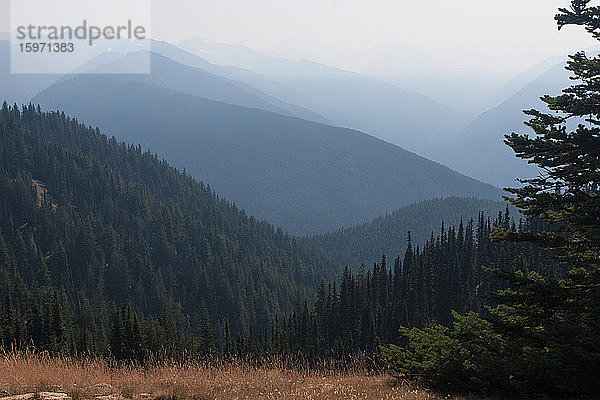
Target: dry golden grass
column 98, row 379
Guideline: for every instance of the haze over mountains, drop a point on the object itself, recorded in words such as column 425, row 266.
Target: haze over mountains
column 198, row 82
column 348, row 99
column 19, row 88
column 481, row 142
column 470, row 144
column 445, row 78
column 303, row 174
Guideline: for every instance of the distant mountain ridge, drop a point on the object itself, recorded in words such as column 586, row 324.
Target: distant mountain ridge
column 388, row 234
column 347, row 99
column 191, row 75
column 173, row 68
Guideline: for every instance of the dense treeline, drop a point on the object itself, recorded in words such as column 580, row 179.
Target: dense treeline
column 88, row 225
column 386, row 234
column 352, row 318
column 421, row 288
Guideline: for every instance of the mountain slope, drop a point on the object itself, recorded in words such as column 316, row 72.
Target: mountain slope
column 388, row 234
column 91, row 220
column 523, row 79
column 400, row 116
column 303, row 176
column 196, row 81
column 479, row 150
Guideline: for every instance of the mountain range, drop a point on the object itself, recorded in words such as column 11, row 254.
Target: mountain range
column 403, row 117
column 239, row 76
column 304, row 176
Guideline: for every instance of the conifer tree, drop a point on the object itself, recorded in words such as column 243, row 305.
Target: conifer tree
column 558, row 321
column 207, row 336
column 117, row 338
column 544, row 336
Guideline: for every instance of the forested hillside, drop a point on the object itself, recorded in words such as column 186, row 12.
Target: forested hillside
column 88, row 224
column 386, row 234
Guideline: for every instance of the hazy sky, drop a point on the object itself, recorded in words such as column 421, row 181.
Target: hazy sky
column 504, row 36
